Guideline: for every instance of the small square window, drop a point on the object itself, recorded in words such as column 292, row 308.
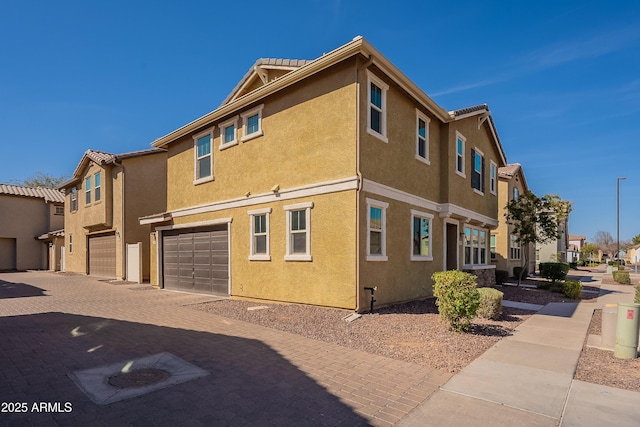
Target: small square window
column 252, row 123
column 59, row 210
column 228, row 133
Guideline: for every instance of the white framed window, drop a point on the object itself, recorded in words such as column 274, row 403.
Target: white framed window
column 493, row 180
column 475, row 246
column 421, row 239
column 514, row 247
column 252, row 123
column 298, row 246
column 422, row 137
column 377, row 106
column 87, row 190
column 59, row 210
column 492, row 246
column 229, row 133
column 203, row 170
column 259, row 226
column 460, row 143
column 97, row 186
column 376, row 230
column 516, row 193
column 477, row 173
column 73, row 205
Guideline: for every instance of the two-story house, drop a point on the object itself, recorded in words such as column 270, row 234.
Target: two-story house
column 315, row 180
column 104, row 198
column 575, row 246
column 27, row 213
column 506, row 251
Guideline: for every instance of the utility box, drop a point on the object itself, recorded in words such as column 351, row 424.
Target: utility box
column 609, row 316
column 627, row 331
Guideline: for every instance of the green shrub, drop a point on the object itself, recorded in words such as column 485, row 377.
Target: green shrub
column 557, row 287
column 621, row 267
column 501, row 277
column 573, row 265
column 637, row 297
column 572, row 289
column 490, row 303
column 621, row 277
column 543, row 285
column 554, row 271
column 457, row 298
column 516, row 272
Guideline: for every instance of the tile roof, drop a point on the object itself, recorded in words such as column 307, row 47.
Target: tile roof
column 509, row 170
column 575, row 237
column 48, row 194
column 55, row 233
column 463, row 111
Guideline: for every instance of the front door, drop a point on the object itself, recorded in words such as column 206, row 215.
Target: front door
column 452, row 247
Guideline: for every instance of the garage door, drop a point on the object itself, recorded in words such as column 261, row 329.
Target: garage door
column 197, row 260
column 102, row 255
column 7, row 254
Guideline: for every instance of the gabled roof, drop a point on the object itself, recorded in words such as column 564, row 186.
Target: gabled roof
column 511, row 170
column 52, row 234
column 103, row 158
column 260, row 70
column 484, row 115
column 49, row 195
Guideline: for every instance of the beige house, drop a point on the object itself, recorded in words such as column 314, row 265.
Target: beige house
column 555, row 250
column 105, row 197
column 506, row 251
column 25, row 214
column 317, row 181
column 575, row 245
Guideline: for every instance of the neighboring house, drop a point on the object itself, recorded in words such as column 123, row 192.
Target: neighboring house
column 105, row 197
column 506, row 251
column 316, row 180
column 556, row 249
column 575, row 245
column 633, row 255
column 25, row 214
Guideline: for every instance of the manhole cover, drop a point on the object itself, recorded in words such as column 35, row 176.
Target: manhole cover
column 138, row 378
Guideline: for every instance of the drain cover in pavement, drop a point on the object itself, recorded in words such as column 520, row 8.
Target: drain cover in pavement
column 131, row 378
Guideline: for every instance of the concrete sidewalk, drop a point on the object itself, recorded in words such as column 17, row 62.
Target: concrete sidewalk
column 527, row 378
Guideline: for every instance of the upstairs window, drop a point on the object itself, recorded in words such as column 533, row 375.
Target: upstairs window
column 460, row 143
column 87, row 190
column 73, row 206
column 203, row 157
column 97, row 186
column 422, row 138
column 252, row 123
column 228, row 133
column 493, row 187
column 477, row 174
column 377, row 111
column 516, row 193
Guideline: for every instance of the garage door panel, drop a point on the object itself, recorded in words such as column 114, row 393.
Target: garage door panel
column 102, row 255
column 199, row 261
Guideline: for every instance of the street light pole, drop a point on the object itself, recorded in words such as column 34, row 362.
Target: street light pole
column 618, row 222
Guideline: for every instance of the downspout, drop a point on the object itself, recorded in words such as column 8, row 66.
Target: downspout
column 122, row 223
column 360, row 181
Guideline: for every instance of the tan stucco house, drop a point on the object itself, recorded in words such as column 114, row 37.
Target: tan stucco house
column 506, row 251
column 26, row 214
column 315, row 180
column 105, row 197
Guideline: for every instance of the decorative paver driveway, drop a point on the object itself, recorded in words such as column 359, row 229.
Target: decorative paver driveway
column 54, row 324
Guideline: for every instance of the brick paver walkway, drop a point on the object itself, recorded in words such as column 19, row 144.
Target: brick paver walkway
column 52, row 324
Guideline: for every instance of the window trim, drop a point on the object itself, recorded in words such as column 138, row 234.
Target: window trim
column 460, row 137
column 97, row 187
column 475, row 263
column 73, row 200
column 426, row 120
column 196, row 137
column 383, row 238
column 480, row 172
column 223, row 127
column 514, row 239
column 289, row 256
column 429, row 217
column 493, row 177
column 252, row 214
column 245, row 118
column 58, row 210
column 384, row 88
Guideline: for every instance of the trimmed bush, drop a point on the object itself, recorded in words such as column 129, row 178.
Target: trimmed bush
column 554, row 271
column 621, row 267
column 637, row 297
column 557, row 287
column 457, row 298
column 490, row 303
column 516, row 272
column 572, row 289
column 501, row 277
column 621, row 277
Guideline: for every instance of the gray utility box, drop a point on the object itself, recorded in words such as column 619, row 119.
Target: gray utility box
column 627, row 331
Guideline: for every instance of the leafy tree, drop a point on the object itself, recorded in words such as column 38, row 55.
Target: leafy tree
column 536, row 220
column 636, row 240
column 589, row 251
column 41, row 179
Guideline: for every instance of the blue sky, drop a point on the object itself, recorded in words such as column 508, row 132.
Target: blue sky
column 560, row 77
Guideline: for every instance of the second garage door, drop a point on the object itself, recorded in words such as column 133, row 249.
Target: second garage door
column 102, row 255
column 197, row 260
